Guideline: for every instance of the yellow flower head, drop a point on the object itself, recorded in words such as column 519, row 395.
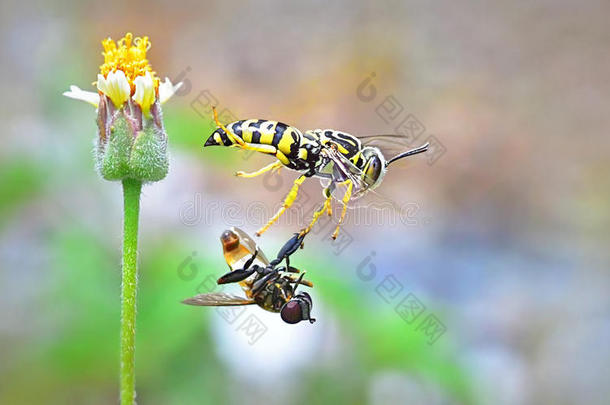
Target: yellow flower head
column 126, row 74
column 129, row 56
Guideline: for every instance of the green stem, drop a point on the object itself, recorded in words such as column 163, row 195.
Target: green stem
column 131, row 208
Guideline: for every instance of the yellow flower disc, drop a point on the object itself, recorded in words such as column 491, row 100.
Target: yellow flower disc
column 129, row 55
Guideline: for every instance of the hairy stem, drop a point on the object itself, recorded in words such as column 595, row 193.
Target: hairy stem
column 131, row 208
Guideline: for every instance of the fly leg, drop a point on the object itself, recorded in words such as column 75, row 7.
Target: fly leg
column 236, row 276
column 300, row 280
column 288, row 201
column 263, row 281
column 288, row 249
column 240, row 274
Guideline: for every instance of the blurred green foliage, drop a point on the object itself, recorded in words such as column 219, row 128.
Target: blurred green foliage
column 20, row 181
column 188, row 131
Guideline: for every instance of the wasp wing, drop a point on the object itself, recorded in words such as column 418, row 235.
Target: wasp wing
column 338, row 170
column 248, row 244
column 218, row 299
column 387, row 142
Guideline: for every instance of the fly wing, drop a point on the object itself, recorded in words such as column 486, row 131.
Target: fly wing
column 218, row 299
column 247, row 243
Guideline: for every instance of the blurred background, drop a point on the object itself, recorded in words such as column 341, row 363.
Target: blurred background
column 488, row 284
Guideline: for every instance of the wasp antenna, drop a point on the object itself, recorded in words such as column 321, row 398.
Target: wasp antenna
column 411, row 152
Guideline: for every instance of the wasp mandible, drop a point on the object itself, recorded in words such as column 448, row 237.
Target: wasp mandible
column 263, row 282
column 337, row 158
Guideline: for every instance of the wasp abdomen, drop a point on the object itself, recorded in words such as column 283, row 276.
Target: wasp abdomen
column 287, row 143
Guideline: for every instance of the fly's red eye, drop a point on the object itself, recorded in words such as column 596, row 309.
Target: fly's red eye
column 291, row 312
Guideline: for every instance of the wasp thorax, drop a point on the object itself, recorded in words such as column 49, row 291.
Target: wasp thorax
column 374, row 166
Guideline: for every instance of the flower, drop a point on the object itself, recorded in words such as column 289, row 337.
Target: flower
column 131, row 141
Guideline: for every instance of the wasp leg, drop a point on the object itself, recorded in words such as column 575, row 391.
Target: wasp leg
column 292, row 195
column 235, row 139
column 346, row 197
column 317, row 214
column 275, row 165
column 328, row 194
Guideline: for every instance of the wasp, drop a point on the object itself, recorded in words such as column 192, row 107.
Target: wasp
column 339, row 159
column 263, row 282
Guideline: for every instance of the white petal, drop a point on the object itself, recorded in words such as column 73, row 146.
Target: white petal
column 145, row 91
column 87, row 96
column 166, row 90
column 115, row 86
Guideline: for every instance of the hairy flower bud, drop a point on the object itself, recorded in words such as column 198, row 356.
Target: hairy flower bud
column 131, row 141
column 130, row 145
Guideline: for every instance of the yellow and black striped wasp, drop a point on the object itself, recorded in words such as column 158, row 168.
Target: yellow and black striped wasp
column 263, row 282
column 337, row 158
